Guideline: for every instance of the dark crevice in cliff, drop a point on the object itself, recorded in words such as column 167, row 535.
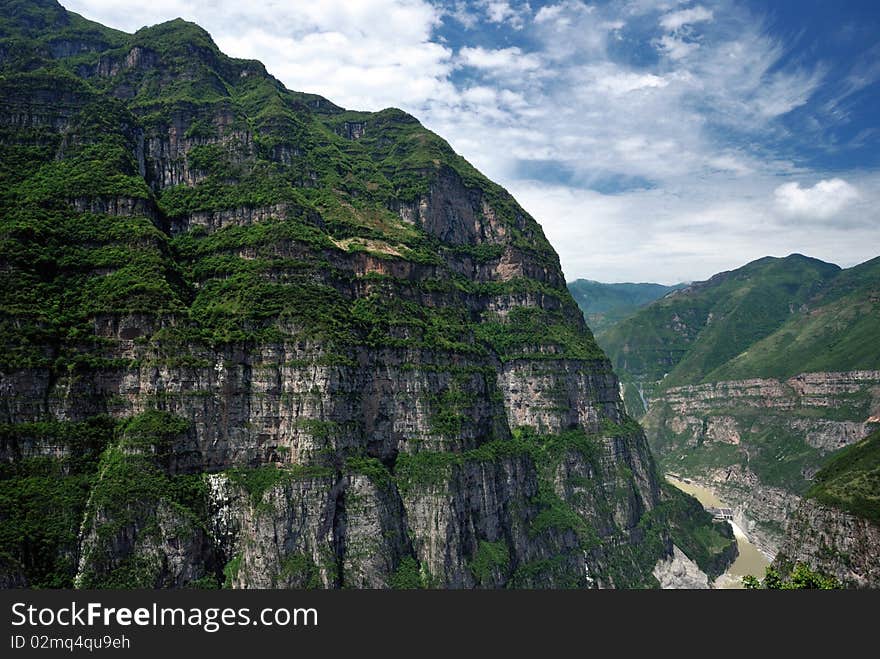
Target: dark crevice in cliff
column 339, row 528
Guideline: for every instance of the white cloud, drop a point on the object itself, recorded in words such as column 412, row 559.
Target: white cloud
column 573, row 27
column 624, row 82
column 681, row 42
column 551, row 13
column 367, row 55
column 464, row 13
column 641, row 7
column 500, row 11
column 823, row 201
column 678, row 19
column 691, row 230
column 737, row 81
column 732, row 163
column 502, row 59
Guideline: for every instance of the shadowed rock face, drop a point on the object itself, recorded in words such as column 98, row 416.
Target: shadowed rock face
column 834, row 542
column 836, row 528
column 280, row 344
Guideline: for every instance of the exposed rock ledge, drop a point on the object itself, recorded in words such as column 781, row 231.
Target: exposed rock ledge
column 835, row 542
column 679, row 572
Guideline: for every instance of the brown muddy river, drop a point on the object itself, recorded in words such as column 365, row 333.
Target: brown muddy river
column 750, row 560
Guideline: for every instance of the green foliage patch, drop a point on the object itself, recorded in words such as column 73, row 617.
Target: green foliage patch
column 850, row 480
column 491, row 559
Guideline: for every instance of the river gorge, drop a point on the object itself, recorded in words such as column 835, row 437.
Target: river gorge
column 750, row 559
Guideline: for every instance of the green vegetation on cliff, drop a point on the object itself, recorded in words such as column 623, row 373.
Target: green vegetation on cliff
column 773, row 318
column 837, row 331
column 253, row 147
column 696, row 357
column 850, row 480
column 242, row 297
column 43, row 499
column 797, row 577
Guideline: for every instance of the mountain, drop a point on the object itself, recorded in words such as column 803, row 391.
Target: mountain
column 837, row 527
column 838, row 331
column 749, row 382
column 683, row 337
column 605, row 305
column 253, row 339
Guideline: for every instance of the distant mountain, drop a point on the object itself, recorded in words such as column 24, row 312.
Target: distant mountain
column 604, row 305
column 683, row 337
column 838, row 330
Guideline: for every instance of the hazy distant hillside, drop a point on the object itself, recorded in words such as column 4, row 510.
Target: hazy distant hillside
column 604, row 305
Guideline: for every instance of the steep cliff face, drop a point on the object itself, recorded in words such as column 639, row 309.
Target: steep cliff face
column 252, row 339
column 759, row 442
column 836, row 530
column 833, row 542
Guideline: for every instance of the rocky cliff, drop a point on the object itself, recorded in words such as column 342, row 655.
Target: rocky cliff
column 836, row 530
column 750, row 381
column 759, row 442
column 833, row 542
column 253, row 339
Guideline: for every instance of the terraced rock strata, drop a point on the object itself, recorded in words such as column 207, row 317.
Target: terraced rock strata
column 252, row 339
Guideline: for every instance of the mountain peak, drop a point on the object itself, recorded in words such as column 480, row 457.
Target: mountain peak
column 175, row 35
column 31, row 17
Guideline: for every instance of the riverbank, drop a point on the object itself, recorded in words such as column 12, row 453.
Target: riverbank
column 750, row 560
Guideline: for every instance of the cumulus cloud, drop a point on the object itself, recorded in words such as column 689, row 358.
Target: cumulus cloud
column 823, row 201
column 500, row 11
column 691, row 230
column 367, row 55
column 464, row 12
column 502, row 59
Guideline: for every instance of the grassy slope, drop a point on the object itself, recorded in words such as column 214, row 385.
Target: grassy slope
column 838, row 333
column 687, row 335
column 836, row 330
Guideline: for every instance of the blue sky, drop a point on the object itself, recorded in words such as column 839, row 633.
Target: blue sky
column 654, row 140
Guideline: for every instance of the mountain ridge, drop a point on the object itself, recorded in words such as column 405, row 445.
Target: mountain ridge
column 703, row 325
